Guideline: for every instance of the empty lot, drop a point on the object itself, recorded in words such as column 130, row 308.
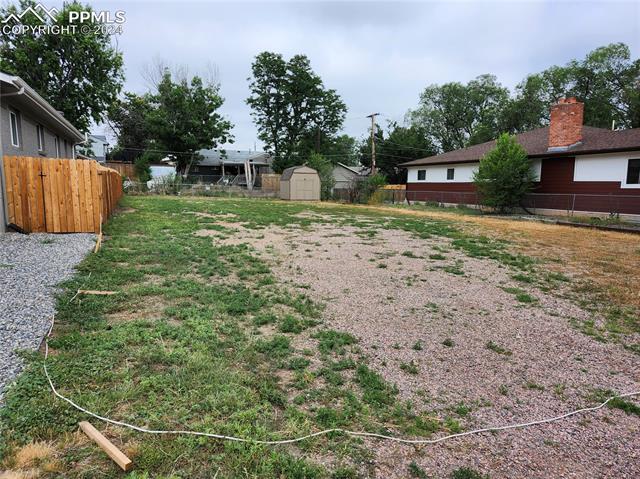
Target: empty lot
column 271, row 320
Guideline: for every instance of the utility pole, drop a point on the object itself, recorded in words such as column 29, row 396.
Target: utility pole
column 373, row 141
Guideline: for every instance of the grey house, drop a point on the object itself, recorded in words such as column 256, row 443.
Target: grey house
column 30, row 126
column 344, row 175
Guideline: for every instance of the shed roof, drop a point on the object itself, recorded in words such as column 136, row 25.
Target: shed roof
column 536, row 144
column 288, row 173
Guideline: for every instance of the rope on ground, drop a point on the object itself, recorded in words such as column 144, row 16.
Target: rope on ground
column 319, row 433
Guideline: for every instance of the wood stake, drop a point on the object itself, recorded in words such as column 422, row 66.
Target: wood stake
column 107, row 446
column 98, row 243
column 98, row 293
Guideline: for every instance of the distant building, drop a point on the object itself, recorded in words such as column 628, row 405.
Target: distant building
column 99, row 146
column 345, row 175
column 577, row 167
column 230, row 162
column 30, row 126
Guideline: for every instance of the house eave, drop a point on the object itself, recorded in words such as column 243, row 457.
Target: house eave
column 20, row 85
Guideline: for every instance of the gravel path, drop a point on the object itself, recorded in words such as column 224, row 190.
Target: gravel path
column 30, row 267
column 473, row 344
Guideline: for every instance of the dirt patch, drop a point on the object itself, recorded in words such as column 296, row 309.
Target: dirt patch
column 146, row 308
column 459, row 346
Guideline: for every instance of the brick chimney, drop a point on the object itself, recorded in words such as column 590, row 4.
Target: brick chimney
column 565, row 128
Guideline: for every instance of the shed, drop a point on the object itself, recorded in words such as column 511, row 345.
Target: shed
column 300, row 183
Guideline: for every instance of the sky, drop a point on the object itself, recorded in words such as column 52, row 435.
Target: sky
column 379, row 56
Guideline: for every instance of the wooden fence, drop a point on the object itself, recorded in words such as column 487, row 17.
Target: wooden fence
column 59, row 195
column 127, row 170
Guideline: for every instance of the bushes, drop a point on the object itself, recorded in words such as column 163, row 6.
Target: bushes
column 504, row 175
column 365, row 190
column 142, row 166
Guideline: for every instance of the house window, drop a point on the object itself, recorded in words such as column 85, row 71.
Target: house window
column 422, row 175
column 450, row 173
column 633, row 172
column 56, row 142
column 14, row 121
column 40, row 134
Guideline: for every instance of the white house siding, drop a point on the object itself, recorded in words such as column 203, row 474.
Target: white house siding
column 604, row 167
column 463, row 172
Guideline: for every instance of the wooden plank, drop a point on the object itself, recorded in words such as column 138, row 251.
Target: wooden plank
column 59, row 179
column 48, row 203
column 55, row 197
column 88, row 196
column 37, row 205
column 17, row 200
column 68, row 195
column 24, row 193
column 75, row 195
column 96, row 185
column 96, row 292
column 107, row 446
column 8, row 181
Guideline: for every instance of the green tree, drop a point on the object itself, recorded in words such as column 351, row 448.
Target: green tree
column 184, row 119
column 504, row 175
column 142, row 165
column 455, row 115
column 342, row 149
column 80, row 74
column 325, row 170
column 398, row 145
column 128, row 119
column 294, row 112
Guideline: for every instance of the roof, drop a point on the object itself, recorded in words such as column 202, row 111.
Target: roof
column 288, row 173
column 233, row 157
column 535, row 142
column 101, row 138
column 22, row 88
column 358, row 170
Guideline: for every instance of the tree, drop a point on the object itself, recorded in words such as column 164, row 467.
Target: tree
column 342, row 149
column 399, row 145
column 295, row 114
column 128, row 119
column 504, row 175
column 325, row 171
column 454, row 115
column 184, row 119
column 80, row 74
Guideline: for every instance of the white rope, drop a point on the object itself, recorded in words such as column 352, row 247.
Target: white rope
column 319, row 433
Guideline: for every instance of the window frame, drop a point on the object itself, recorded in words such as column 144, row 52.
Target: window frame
column 40, row 135
column 628, row 175
column 422, row 173
column 14, row 124
column 56, row 142
column 453, row 174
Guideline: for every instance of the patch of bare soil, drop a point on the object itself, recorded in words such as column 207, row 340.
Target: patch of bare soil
column 473, row 345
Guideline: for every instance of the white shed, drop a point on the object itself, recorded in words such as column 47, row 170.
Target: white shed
column 300, row 183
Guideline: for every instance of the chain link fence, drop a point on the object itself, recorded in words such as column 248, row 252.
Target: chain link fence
column 569, row 203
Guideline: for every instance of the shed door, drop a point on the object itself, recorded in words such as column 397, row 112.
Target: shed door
column 307, row 187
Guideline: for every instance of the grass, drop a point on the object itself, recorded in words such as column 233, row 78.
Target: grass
column 202, row 336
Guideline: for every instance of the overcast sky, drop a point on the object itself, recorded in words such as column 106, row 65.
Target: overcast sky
column 377, row 55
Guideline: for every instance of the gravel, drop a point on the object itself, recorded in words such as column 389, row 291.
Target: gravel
column 393, row 301
column 30, row 268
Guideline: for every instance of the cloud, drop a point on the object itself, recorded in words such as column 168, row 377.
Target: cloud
column 379, row 55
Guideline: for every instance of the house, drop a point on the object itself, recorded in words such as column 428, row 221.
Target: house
column 30, row 126
column 99, row 145
column 240, row 167
column 344, row 175
column 578, row 168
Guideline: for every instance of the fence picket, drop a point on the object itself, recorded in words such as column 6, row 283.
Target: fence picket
column 59, row 195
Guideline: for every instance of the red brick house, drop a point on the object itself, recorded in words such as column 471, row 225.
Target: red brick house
column 579, row 168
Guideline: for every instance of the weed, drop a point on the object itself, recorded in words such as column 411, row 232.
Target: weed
column 437, row 256
column 417, row 346
column 410, row 367
column 448, row 343
column 467, row 473
column 417, row 471
column 497, row 349
column 330, row 341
